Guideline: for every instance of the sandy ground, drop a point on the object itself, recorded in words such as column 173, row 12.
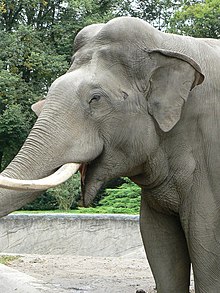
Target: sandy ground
column 69, row 274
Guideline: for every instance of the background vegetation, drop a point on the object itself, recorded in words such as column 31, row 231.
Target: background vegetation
column 36, row 40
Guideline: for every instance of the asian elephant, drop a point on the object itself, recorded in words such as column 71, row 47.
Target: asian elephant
column 145, row 104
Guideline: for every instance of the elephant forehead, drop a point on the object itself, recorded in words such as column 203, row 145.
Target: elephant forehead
column 121, row 40
column 118, row 29
column 99, row 57
column 126, row 30
column 80, row 82
column 86, row 34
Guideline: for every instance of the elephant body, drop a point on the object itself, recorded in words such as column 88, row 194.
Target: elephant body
column 140, row 103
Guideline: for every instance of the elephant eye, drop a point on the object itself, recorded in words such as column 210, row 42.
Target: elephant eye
column 95, row 98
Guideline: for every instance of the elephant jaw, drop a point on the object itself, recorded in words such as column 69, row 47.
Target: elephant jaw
column 58, row 177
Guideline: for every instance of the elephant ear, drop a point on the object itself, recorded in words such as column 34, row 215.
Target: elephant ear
column 38, row 106
column 171, row 82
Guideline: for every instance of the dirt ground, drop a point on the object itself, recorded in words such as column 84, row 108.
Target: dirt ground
column 70, row 274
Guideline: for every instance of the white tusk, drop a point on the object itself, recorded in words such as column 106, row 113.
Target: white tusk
column 58, row 177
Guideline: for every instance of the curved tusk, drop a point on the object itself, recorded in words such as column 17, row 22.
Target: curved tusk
column 58, row 177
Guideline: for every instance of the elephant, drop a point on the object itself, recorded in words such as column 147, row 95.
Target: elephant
column 145, row 104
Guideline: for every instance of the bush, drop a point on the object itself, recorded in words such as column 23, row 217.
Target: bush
column 111, row 184
column 125, row 198
column 43, row 203
column 63, row 197
column 120, row 199
column 68, row 193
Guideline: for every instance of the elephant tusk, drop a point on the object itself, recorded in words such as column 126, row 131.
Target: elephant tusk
column 58, row 177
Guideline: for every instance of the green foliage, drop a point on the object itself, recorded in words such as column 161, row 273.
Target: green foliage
column 90, row 210
column 8, row 259
column 198, row 19
column 63, row 197
column 36, row 41
column 156, row 12
column 68, row 193
column 36, row 44
column 106, row 210
column 113, row 183
column 44, row 202
column 124, row 198
column 13, row 130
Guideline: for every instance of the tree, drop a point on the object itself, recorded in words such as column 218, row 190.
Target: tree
column 15, row 121
column 156, row 12
column 13, row 130
column 36, row 43
column 198, row 19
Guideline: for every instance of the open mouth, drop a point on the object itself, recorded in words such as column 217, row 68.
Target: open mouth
column 82, row 169
column 90, row 181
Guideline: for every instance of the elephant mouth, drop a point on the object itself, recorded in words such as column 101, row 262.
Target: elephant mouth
column 90, row 184
column 82, row 169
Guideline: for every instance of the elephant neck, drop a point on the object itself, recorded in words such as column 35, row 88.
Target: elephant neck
column 168, row 176
column 154, row 172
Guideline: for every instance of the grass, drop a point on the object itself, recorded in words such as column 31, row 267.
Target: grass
column 97, row 210
column 8, row 259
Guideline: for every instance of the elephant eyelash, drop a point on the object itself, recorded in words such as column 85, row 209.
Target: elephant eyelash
column 95, row 98
column 125, row 95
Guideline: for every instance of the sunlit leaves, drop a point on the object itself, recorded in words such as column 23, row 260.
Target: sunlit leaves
column 198, row 18
column 125, row 198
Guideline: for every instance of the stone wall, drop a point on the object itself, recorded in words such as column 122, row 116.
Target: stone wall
column 89, row 235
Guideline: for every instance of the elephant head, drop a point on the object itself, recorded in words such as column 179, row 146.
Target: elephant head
column 107, row 112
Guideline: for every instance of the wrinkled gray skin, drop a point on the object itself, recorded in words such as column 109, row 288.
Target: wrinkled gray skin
column 132, row 105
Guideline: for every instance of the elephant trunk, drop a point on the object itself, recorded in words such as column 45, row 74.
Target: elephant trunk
column 36, row 159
